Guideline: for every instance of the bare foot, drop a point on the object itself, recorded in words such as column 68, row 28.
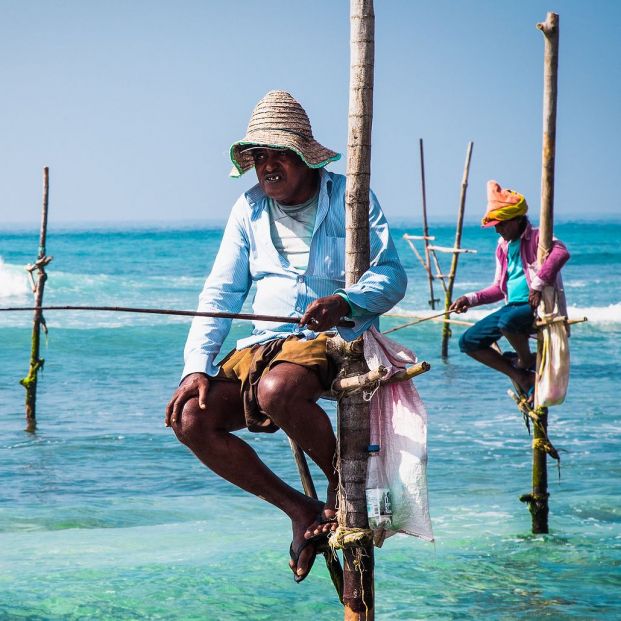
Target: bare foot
column 526, row 381
column 302, row 552
column 325, row 520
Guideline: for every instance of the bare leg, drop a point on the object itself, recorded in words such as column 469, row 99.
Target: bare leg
column 208, row 434
column 520, row 342
column 288, row 395
column 498, row 362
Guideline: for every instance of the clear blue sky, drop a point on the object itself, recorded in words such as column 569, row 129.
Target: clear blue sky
column 134, row 104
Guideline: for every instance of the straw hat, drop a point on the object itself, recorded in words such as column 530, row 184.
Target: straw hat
column 279, row 121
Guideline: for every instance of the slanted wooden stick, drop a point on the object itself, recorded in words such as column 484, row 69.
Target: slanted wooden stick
column 448, row 298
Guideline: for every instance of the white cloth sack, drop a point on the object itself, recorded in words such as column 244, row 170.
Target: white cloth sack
column 399, row 426
column 553, row 361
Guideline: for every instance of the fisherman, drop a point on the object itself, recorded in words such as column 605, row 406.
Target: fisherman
column 286, row 237
column 519, row 282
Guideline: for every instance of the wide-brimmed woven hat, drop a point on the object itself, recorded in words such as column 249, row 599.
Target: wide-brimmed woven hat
column 279, row 121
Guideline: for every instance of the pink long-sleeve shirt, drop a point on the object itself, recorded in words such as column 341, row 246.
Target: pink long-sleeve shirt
column 548, row 274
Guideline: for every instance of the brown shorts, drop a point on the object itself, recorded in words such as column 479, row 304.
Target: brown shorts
column 248, row 366
column 311, row 354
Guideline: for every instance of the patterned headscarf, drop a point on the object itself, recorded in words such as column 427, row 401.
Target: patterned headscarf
column 502, row 204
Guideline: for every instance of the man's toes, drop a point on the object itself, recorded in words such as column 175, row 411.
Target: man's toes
column 304, row 560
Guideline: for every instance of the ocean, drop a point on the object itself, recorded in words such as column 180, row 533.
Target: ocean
column 104, row 515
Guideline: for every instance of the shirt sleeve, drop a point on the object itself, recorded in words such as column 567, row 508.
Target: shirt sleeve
column 547, row 273
column 383, row 284
column 225, row 290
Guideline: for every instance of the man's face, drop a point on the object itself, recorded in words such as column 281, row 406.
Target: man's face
column 509, row 230
column 283, row 176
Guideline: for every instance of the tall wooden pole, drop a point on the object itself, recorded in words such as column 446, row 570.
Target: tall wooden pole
column 448, row 297
column 550, row 29
column 353, row 411
column 30, row 381
column 432, row 301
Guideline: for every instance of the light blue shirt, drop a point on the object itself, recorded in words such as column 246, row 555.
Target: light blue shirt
column 517, row 285
column 247, row 256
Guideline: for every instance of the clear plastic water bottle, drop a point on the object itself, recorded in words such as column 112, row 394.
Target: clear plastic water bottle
column 379, row 505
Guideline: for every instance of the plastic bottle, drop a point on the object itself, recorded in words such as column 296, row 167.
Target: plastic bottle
column 379, row 505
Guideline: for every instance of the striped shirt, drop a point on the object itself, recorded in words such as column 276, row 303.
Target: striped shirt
column 247, row 256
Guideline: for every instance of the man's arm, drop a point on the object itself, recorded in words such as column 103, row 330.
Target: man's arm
column 547, row 273
column 383, row 284
column 225, row 290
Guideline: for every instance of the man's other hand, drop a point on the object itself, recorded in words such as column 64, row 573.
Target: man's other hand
column 534, row 297
column 192, row 385
column 325, row 313
column 460, row 305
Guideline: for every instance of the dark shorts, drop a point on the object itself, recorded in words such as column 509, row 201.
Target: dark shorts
column 514, row 318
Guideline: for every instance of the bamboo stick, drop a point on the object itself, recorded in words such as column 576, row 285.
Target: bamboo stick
column 538, row 500
column 343, row 323
column 432, row 300
column 448, row 298
column 353, row 411
column 36, row 363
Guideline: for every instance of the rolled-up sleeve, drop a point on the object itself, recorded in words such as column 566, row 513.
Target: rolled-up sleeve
column 385, row 282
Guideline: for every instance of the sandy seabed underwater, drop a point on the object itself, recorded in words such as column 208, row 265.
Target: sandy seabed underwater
column 104, row 515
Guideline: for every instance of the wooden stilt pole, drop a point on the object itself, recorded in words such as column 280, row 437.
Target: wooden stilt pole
column 30, row 381
column 538, row 503
column 448, row 297
column 353, row 411
column 432, row 300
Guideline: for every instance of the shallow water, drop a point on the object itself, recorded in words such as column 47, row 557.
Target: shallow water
column 103, row 515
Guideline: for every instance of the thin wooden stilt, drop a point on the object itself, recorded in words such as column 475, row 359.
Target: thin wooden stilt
column 36, row 363
column 353, row 411
column 432, row 300
column 448, row 297
column 538, row 502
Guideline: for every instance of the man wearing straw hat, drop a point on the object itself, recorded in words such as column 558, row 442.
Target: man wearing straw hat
column 286, row 237
column 518, row 281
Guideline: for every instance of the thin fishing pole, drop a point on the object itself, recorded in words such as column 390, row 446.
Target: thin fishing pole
column 343, row 323
column 413, row 323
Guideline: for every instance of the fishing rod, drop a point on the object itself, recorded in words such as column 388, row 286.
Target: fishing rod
column 343, row 323
column 413, row 323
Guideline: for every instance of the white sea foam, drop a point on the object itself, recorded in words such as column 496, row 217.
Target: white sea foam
column 14, row 284
column 597, row 314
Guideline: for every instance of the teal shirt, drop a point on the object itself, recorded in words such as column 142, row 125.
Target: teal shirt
column 517, row 285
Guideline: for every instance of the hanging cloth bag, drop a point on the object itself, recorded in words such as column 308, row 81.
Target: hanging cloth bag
column 553, row 362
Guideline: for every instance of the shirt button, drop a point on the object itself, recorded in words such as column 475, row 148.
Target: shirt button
column 300, row 278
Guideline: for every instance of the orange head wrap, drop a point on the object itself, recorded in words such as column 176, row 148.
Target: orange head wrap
column 502, row 204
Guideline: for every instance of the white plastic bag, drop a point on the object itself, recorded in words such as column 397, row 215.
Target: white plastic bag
column 399, row 426
column 553, row 361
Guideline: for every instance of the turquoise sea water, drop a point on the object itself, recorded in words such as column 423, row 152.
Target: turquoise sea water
column 103, row 515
